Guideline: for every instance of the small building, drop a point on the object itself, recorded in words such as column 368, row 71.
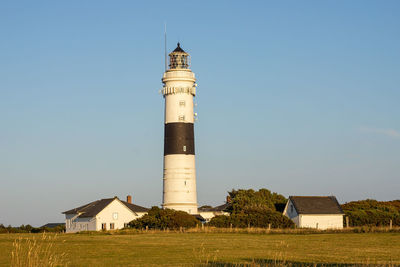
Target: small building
column 320, row 212
column 206, row 213
column 103, row 214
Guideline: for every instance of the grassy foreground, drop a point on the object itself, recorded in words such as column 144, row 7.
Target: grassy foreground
column 215, row 249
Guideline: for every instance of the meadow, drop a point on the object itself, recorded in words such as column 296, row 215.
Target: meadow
column 202, row 248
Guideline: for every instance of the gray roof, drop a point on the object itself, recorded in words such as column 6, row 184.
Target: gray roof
column 222, row 207
column 135, row 208
column 93, row 208
column 52, row 225
column 316, row 205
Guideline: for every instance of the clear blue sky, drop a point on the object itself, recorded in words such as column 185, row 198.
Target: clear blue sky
column 300, row 97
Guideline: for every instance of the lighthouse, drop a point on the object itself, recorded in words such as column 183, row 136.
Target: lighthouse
column 179, row 177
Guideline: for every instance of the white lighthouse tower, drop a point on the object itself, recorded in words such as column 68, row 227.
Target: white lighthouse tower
column 179, row 181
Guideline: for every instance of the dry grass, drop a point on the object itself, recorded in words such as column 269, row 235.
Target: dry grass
column 280, row 259
column 36, row 250
column 254, row 230
column 203, row 247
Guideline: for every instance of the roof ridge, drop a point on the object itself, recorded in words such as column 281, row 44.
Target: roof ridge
column 98, row 205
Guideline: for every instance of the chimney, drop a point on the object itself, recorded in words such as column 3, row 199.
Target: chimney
column 228, row 199
column 129, row 199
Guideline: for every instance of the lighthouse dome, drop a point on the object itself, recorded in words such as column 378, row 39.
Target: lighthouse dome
column 179, row 48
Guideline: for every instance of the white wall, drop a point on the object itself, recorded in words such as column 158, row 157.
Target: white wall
column 124, row 215
column 320, row 221
column 323, row 221
column 179, row 190
column 177, row 105
column 178, row 86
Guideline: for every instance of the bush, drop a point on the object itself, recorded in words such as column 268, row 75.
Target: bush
column 370, row 212
column 158, row 218
column 255, row 219
column 30, row 229
column 222, row 221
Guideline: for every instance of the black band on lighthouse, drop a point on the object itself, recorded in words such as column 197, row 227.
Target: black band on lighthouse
column 178, row 138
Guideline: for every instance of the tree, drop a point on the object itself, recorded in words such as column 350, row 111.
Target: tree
column 257, row 208
column 243, row 200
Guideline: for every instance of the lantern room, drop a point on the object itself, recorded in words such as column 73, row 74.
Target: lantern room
column 179, row 59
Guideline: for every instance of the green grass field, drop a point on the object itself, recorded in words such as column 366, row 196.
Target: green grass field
column 221, row 249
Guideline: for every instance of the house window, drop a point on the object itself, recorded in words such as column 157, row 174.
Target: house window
column 181, row 118
column 103, row 226
column 182, row 103
column 291, row 208
column 185, row 182
column 115, row 215
column 111, row 226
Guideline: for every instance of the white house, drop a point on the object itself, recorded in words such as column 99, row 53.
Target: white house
column 207, row 213
column 320, row 212
column 103, row 214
